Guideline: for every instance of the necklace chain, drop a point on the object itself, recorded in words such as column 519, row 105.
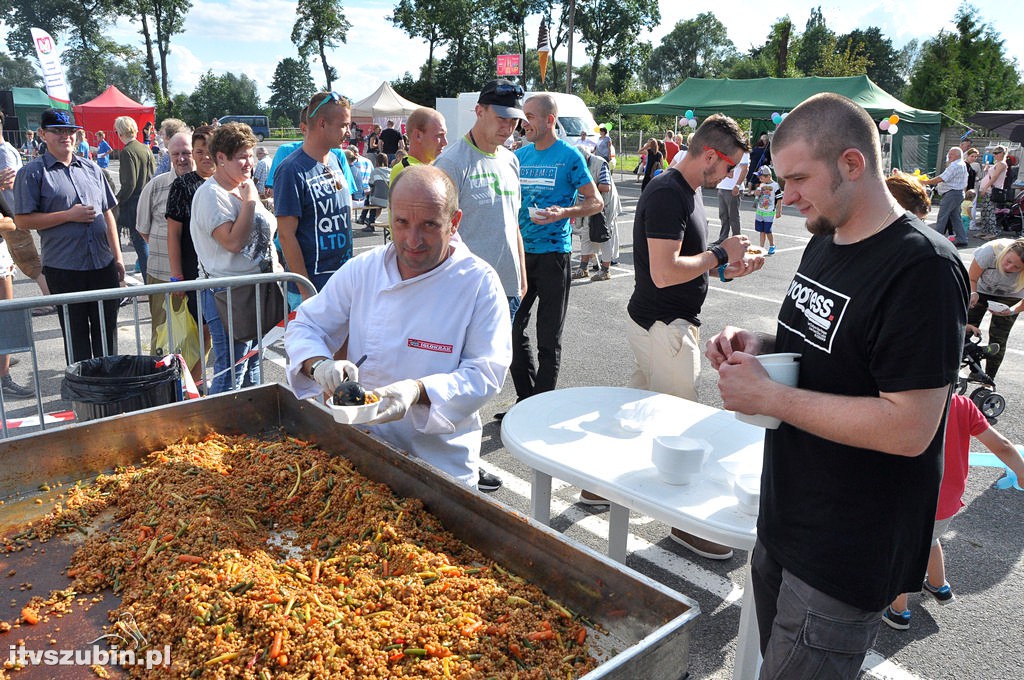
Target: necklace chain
column 879, row 227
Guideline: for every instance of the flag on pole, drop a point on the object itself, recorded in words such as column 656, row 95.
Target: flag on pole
column 543, row 49
column 53, row 71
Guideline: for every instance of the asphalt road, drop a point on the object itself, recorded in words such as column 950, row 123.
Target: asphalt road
column 976, row 637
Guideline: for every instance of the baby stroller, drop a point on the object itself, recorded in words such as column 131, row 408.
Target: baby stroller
column 985, row 397
column 1011, row 217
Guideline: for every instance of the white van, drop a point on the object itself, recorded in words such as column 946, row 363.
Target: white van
column 573, row 115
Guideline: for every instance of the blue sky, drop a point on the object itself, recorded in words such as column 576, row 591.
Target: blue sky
column 252, row 36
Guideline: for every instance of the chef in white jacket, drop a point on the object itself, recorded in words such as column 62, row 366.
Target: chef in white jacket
column 430, row 317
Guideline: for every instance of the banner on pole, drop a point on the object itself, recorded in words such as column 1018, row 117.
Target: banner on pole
column 53, row 71
column 510, row 65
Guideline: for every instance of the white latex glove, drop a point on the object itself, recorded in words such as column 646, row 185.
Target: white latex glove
column 395, row 400
column 330, row 374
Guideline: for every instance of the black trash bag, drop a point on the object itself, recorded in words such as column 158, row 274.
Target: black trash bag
column 119, row 384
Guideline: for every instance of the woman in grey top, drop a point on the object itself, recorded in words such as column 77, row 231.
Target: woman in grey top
column 997, row 276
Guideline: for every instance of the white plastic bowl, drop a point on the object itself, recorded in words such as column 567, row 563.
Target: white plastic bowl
column 748, row 492
column 353, row 415
column 679, row 460
column 996, row 306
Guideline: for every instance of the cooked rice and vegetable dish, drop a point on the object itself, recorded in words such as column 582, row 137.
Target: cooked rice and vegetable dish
column 269, row 558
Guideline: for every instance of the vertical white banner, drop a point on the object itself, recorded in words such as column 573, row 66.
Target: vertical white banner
column 49, row 61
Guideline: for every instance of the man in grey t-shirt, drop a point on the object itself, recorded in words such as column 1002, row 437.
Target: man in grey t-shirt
column 487, row 177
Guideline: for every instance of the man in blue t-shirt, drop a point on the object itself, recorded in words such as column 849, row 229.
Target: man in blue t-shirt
column 103, row 150
column 553, row 175
column 313, row 198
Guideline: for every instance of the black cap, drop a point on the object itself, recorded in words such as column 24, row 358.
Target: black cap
column 57, row 118
column 505, row 97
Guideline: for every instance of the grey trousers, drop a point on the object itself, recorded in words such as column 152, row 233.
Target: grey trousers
column 949, row 213
column 804, row 632
column 728, row 213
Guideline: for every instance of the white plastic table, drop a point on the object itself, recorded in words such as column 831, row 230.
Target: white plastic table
column 577, row 435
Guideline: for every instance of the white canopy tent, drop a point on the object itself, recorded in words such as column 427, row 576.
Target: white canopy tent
column 383, row 105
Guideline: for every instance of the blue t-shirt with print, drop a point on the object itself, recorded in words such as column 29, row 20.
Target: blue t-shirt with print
column 321, row 198
column 549, row 177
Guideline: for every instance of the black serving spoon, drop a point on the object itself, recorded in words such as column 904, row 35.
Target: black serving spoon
column 350, row 392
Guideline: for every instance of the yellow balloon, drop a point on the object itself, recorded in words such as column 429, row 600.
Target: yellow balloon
column 894, row 119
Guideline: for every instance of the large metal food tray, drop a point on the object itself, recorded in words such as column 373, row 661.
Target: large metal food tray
column 648, row 625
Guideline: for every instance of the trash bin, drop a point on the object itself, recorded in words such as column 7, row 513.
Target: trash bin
column 108, row 386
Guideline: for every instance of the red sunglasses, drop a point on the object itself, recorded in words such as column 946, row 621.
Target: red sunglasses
column 730, row 166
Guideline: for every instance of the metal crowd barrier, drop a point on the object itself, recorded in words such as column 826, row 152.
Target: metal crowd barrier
column 18, row 331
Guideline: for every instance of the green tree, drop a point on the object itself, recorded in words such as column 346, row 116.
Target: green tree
column 17, row 72
column 420, row 19
column 511, row 14
column 837, row 63
column 319, row 25
column 696, row 48
column 290, row 90
column 883, row 66
column 815, row 44
column 159, row 20
column 91, row 68
column 966, row 70
column 217, row 96
column 610, row 29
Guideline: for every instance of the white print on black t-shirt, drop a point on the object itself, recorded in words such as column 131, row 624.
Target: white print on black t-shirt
column 821, row 308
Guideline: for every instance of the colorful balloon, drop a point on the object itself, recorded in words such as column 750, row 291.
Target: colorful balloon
column 893, row 119
column 884, row 125
column 692, row 122
column 689, row 114
column 893, row 129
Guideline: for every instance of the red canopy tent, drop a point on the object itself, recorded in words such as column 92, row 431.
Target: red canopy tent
column 99, row 114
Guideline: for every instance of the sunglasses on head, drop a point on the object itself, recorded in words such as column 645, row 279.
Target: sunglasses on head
column 508, row 88
column 328, row 172
column 333, row 96
column 729, row 165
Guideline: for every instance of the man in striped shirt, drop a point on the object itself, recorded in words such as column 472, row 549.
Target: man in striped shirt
column 952, row 183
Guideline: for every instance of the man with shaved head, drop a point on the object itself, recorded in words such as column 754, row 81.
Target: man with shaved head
column 432, row 371
column 427, row 136
column 876, row 312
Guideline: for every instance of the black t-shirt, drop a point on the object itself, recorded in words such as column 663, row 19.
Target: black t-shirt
column 389, row 139
column 668, row 209
column 972, row 177
column 883, row 315
column 179, row 207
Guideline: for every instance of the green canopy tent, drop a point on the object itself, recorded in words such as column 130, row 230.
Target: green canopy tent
column 915, row 145
column 29, row 104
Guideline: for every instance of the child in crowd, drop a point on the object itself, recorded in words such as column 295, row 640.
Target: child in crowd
column 967, row 209
column 963, row 422
column 767, row 206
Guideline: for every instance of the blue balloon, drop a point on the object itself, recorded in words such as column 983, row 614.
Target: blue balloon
column 689, row 113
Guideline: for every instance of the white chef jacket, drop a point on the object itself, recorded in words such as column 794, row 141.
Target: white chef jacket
column 448, row 328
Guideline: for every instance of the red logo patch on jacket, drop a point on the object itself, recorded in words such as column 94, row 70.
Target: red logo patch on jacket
column 430, row 346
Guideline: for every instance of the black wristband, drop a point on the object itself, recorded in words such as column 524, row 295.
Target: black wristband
column 721, row 256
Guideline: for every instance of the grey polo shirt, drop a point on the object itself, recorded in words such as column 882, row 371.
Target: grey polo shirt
column 45, row 185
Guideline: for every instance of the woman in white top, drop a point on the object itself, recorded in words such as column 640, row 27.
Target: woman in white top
column 234, row 236
column 995, row 177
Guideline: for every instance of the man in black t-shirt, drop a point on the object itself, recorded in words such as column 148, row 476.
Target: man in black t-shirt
column 671, row 265
column 389, row 141
column 851, row 478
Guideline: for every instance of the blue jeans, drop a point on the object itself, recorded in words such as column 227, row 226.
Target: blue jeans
column 246, row 373
column 141, row 250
